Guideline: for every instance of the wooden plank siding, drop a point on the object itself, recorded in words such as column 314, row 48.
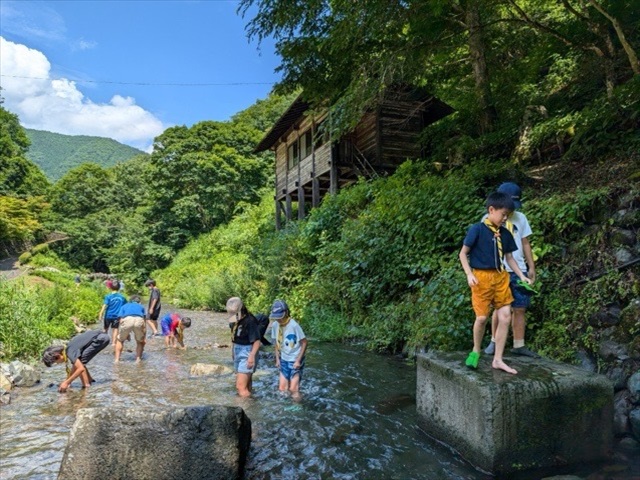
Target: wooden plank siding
column 316, row 164
column 365, row 135
column 281, row 169
column 400, row 127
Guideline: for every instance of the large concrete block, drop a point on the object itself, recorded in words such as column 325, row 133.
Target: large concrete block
column 170, row 443
column 548, row 415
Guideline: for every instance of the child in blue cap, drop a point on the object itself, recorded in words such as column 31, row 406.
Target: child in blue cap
column 291, row 346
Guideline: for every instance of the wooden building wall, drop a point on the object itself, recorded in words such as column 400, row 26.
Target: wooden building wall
column 317, row 164
column 365, row 135
column 400, row 125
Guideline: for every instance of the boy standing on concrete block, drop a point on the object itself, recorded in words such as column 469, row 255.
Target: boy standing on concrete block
column 484, row 249
column 518, row 225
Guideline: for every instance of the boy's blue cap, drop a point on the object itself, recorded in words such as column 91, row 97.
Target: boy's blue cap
column 514, row 191
column 278, row 310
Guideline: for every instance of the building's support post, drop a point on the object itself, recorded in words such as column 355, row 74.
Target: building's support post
column 333, row 173
column 278, row 214
column 301, row 212
column 315, row 192
column 315, row 186
column 288, row 209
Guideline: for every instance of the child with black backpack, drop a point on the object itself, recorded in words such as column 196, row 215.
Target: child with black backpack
column 245, row 336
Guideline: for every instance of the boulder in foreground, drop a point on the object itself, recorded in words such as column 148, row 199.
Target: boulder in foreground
column 172, row 443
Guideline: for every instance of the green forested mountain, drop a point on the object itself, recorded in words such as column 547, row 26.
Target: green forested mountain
column 56, row 154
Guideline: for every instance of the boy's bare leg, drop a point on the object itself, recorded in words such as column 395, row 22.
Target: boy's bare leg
column 139, row 350
column 283, row 385
column 154, row 326
column 114, row 336
column 118, row 350
column 479, row 327
column 86, row 378
column 504, row 319
column 294, row 386
column 243, row 382
column 518, row 323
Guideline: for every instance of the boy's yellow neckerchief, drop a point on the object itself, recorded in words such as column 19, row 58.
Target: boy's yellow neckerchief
column 66, row 363
column 498, row 240
column 280, row 338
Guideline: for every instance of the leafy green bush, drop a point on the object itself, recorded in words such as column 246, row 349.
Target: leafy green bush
column 24, row 258
column 222, row 263
column 30, row 317
column 48, row 258
column 40, row 248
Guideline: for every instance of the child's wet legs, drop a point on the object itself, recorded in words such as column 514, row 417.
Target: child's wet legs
column 478, row 332
column 504, row 319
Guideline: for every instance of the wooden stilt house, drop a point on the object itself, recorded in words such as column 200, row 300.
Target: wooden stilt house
column 309, row 163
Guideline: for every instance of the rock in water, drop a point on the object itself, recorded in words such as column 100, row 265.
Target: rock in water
column 23, row 375
column 171, row 443
column 198, row 369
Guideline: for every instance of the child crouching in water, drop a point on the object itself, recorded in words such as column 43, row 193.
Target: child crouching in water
column 291, row 345
column 79, row 351
column 173, row 325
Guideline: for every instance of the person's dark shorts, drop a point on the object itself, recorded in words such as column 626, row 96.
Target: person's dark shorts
column 154, row 316
column 521, row 299
column 287, row 370
column 98, row 343
column 111, row 322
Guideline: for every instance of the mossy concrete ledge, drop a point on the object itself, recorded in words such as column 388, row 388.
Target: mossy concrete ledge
column 548, row 415
column 169, row 443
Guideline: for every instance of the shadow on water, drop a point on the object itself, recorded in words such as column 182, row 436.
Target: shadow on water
column 357, row 418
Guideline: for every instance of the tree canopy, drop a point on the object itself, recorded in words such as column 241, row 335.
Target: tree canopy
column 489, row 59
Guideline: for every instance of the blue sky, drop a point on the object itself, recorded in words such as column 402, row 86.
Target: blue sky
column 84, row 61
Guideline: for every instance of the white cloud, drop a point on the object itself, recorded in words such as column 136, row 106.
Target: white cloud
column 83, row 44
column 31, row 20
column 56, row 104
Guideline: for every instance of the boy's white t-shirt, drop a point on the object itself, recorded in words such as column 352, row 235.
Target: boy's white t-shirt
column 291, row 335
column 520, row 229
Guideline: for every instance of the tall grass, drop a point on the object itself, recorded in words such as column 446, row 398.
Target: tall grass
column 33, row 315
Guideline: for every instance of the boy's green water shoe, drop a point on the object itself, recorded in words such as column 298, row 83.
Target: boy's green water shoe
column 472, row 360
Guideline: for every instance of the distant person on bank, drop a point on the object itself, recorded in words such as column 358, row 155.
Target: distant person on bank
column 173, row 325
column 154, row 306
column 110, row 310
column 245, row 336
column 79, row 351
column 132, row 317
column 291, row 346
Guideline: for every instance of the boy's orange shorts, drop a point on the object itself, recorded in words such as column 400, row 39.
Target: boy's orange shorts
column 492, row 290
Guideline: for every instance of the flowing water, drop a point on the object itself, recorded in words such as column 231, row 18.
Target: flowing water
column 357, row 418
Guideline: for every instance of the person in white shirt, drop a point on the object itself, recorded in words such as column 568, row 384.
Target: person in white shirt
column 291, row 346
column 519, row 227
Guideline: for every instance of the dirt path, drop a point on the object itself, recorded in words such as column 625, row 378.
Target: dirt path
column 10, row 268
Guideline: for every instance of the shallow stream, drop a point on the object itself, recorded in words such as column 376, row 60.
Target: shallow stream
column 357, row 418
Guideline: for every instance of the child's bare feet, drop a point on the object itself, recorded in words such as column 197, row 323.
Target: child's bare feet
column 500, row 365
